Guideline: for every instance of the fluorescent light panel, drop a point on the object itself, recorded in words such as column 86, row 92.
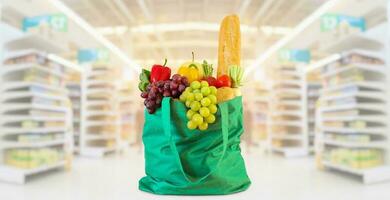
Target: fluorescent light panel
column 188, row 26
column 297, row 30
column 95, row 34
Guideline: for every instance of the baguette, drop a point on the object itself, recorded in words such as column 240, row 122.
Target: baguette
column 229, row 48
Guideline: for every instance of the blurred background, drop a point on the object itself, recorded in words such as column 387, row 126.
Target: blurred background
column 315, row 93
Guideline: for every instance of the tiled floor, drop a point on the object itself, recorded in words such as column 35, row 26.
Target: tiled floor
column 116, row 177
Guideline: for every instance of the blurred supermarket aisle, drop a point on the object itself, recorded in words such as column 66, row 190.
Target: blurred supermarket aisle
column 314, row 74
column 116, row 177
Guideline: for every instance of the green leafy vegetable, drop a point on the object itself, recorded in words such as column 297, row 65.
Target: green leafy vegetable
column 236, row 73
column 207, row 69
column 144, row 78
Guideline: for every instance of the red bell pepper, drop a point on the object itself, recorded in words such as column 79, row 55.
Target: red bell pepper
column 160, row 73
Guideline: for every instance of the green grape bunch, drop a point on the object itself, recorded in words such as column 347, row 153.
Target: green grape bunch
column 201, row 101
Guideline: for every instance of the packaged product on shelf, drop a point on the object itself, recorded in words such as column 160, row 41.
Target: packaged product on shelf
column 44, row 113
column 343, row 101
column 30, row 56
column 355, row 158
column 351, row 112
column 355, row 57
column 48, row 102
column 348, row 138
column 353, row 124
column 32, row 158
column 37, row 124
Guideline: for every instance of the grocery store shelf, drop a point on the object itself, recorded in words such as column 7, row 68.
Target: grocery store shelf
column 372, row 144
column 34, row 41
column 28, row 84
column 287, row 91
column 101, row 112
column 9, row 145
column 95, row 123
column 96, row 152
column 286, row 113
column 24, row 106
column 369, row 131
column 369, row 176
column 354, row 41
column 11, row 118
column 98, row 103
column 261, row 99
column 33, row 102
column 287, row 82
column 99, row 92
column 15, row 175
column 90, row 136
column 287, row 136
column 364, row 106
column 102, row 83
column 377, row 118
column 365, row 102
column 289, row 103
column 368, row 95
column 365, row 67
column 21, row 67
column 290, row 152
column 28, row 94
column 286, row 123
column 16, row 131
column 361, row 84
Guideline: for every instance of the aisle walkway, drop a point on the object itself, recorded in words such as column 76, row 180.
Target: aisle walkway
column 116, row 177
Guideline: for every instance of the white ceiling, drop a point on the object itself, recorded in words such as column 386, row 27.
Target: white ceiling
column 152, row 47
column 177, row 45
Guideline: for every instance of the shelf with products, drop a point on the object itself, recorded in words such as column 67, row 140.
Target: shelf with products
column 34, row 115
column 353, row 116
column 100, row 127
column 259, row 106
column 127, row 114
column 313, row 90
column 73, row 85
column 288, row 131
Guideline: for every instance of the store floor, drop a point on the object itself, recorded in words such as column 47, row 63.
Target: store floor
column 116, row 177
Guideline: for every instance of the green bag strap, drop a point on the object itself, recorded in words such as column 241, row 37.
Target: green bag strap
column 166, row 112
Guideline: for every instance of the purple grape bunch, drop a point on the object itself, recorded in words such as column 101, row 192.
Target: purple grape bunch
column 169, row 88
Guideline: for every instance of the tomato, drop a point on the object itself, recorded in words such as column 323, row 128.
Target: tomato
column 223, row 81
column 211, row 81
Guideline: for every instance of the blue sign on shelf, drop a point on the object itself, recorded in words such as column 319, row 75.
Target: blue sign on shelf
column 93, row 55
column 331, row 21
column 58, row 22
column 294, row 55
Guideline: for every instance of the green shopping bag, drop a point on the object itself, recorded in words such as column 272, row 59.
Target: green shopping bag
column 179, row 161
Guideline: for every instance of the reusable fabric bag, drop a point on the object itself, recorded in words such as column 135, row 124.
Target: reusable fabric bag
column 179, row 161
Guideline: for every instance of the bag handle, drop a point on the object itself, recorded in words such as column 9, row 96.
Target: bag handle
column 166, row 110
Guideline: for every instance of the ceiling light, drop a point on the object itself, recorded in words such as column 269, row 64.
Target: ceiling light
column 275, row 30
column 296, row 31
column 171, row 27
column 113, row 30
